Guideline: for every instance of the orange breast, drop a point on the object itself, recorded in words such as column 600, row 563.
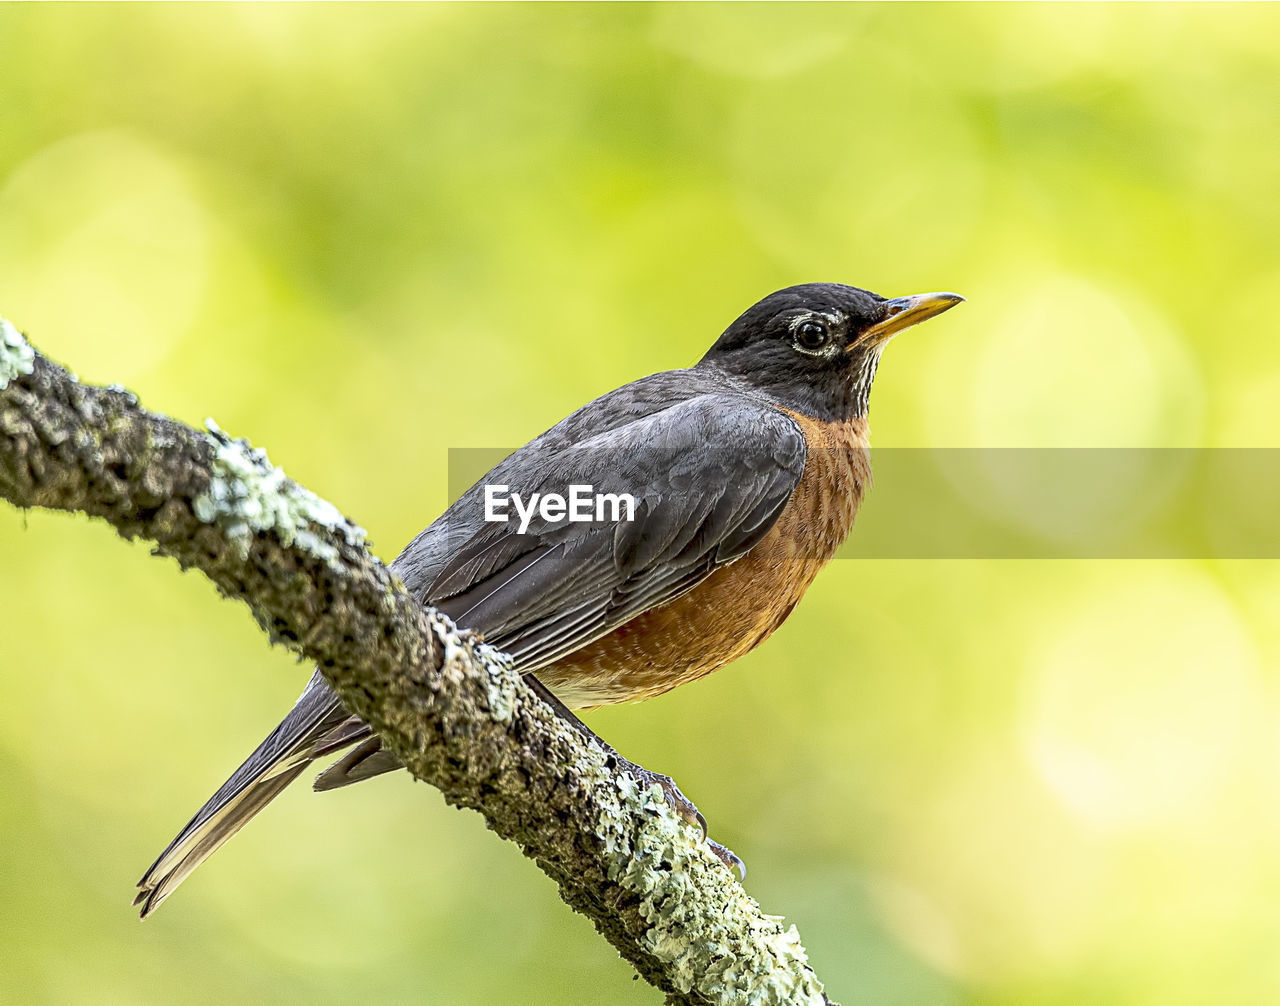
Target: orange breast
column 738, row 606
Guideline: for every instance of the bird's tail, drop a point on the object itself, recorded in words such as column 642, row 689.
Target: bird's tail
column 316, row 726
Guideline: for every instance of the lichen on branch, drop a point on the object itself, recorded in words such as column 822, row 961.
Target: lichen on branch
column 16, row 355
column 249, row 495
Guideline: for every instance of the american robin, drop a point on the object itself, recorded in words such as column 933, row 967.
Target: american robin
column 720, row 491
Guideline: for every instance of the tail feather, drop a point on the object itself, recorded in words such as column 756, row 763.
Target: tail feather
column 317, row 725
column 197, row 845
column 360, row 763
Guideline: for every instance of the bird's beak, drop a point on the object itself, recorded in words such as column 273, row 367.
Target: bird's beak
column 903, row 312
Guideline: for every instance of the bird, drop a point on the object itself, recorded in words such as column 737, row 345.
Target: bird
column 744, row 474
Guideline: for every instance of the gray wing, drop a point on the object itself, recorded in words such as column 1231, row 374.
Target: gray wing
column 709, row 476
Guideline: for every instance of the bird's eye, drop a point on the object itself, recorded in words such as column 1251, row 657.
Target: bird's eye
column 811, row 335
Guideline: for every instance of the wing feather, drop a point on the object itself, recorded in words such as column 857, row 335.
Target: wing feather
column 710, row 477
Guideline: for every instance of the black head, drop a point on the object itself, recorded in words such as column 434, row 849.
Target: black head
column 814, row 348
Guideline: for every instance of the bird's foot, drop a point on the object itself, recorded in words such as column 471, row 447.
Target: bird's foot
column 685, row 809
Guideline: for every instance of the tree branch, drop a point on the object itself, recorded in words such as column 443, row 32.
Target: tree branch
column 449, row 707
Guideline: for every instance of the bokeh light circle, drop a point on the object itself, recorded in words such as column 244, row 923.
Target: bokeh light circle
column 1142, row 699
column 103, row 251
column 1065, row 362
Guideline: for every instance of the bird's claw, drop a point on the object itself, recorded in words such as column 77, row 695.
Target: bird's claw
column 688, row 812
column 730, row 858
column 685, row 808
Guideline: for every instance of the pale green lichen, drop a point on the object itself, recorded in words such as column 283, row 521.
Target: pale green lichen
column 714, row 940
column 501, row 689
column 463, row 651
column 711, row 936
column 248, row 495
column 17, row 358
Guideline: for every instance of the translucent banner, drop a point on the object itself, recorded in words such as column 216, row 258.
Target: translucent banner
column 1002, row 503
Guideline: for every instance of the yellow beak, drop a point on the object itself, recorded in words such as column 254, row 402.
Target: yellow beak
column 903, row 312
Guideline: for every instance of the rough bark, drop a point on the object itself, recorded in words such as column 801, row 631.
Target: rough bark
column 451, row 708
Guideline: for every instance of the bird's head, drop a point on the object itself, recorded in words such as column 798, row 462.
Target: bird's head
column 814, row 348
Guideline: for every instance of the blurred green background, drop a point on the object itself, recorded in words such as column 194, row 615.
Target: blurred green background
column 362, row 236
